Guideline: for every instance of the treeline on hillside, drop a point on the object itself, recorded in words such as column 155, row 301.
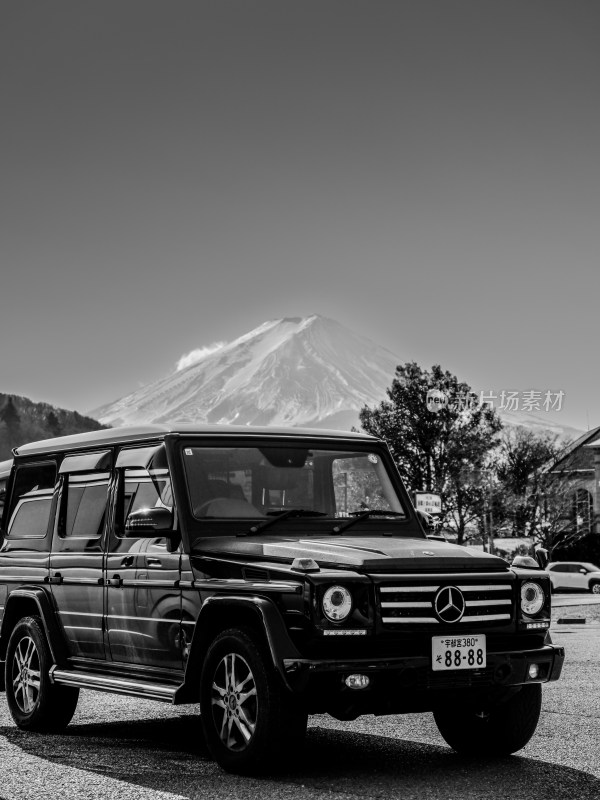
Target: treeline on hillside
column 22, row 420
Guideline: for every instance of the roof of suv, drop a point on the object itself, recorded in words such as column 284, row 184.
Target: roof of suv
column 143, row 433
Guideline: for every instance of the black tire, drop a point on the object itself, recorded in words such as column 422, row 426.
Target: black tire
column 34, row 702
column 499, row 731
column 595, row 587
column 251, row 730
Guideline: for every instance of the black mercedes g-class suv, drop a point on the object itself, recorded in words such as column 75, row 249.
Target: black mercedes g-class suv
column 266, row 575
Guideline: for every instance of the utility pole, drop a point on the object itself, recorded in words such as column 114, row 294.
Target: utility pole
column 491, row 528
column 486, row 541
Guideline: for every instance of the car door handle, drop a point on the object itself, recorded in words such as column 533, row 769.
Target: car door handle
column 127, row 561
column 56, row 578
column 116, row 580
column 154, row 562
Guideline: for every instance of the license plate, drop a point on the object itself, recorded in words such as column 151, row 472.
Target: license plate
column 457, row 652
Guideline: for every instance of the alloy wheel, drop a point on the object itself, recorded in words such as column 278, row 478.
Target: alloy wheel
column 234, row 702
column 26, row 675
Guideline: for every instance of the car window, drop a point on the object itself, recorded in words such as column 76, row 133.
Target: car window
column 86, row 502
column 31, row 501
column 143, row 488
column 31, row 516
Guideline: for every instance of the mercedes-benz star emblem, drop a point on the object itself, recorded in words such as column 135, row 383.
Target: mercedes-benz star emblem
column 449, row 604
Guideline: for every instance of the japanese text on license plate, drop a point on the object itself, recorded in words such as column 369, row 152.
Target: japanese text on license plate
column 458, row 652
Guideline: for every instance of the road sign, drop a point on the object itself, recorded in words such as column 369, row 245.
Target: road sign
column 429, row 502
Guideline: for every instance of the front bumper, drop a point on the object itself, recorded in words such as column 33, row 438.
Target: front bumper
column 505, row 668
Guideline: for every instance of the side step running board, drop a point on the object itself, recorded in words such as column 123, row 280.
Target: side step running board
column 110, row 683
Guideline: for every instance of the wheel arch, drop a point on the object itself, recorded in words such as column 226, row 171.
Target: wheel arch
column 221, row 612
column 31, row 601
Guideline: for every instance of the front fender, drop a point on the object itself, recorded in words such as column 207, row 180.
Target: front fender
column 219, row 613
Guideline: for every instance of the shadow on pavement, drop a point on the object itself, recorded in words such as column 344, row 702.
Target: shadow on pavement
column 169, row 755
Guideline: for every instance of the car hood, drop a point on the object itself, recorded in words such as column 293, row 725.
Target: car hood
column 371, row 554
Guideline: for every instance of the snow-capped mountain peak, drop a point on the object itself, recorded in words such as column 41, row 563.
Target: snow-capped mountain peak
column 293, row 371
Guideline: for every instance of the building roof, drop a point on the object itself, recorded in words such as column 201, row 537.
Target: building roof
column 586, row 440
column 142, row 433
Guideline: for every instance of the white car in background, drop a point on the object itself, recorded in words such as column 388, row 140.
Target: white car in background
column 574, row 575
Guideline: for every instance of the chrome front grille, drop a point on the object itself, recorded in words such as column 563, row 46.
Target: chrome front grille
column 414, row 605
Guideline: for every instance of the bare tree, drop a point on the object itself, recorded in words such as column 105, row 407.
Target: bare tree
column 565, row 511
column 522, row 463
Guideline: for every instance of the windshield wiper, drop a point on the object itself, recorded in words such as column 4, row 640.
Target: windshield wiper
column 357, row 516
column 280, row 516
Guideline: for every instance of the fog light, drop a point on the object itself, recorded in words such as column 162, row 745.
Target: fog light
column 357, row 681
column 533, row 671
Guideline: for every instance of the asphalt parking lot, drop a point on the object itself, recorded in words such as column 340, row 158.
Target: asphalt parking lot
column 127, row 748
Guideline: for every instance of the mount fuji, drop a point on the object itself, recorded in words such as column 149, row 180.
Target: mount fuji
column 308, row 371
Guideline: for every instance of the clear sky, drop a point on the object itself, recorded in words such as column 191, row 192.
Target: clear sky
column 175, row 173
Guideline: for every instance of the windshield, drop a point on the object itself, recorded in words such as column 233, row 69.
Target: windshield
column 259, row 483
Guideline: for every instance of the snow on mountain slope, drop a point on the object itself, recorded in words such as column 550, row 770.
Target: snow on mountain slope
column 540, row 422
column 300, row 371
column 307, row 371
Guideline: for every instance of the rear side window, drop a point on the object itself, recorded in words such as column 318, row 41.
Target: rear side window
column 31, row 501
column 86, row 501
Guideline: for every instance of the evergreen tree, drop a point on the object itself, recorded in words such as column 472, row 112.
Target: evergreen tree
column 53, row 424
column 447, row 451
column 12, row 420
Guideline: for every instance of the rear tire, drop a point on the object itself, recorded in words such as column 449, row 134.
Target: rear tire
column 34, row 702
column 250, row 720
column 498, row 731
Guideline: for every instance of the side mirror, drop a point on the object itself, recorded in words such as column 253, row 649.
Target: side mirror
column 541, row 556
column 583, row 571
column 146, row 521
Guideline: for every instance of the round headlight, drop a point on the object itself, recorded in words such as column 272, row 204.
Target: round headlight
column 337, row 603
column 532, row 598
